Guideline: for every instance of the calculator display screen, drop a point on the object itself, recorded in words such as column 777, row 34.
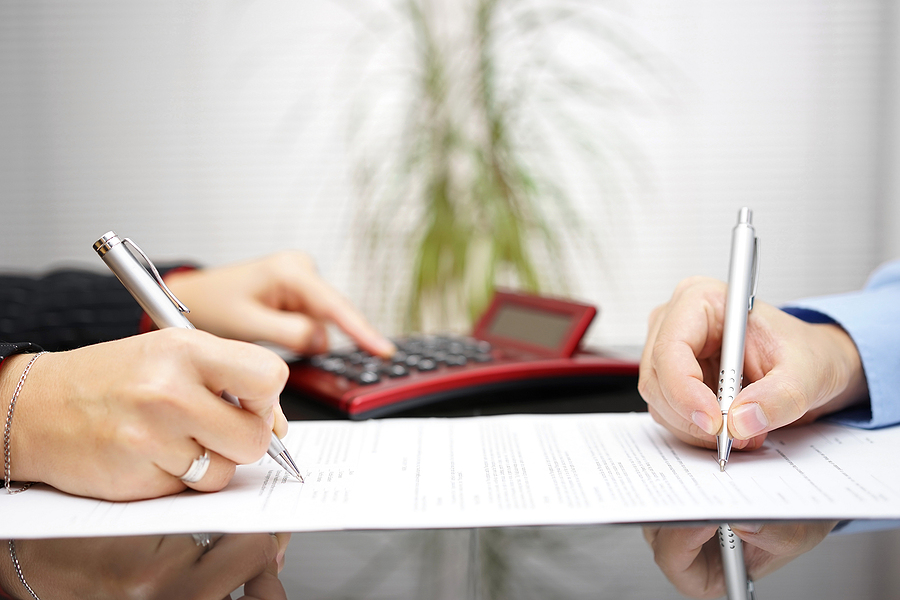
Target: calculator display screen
column 533, row 326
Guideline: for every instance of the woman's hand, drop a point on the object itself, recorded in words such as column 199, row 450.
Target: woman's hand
column 124, row 420
column 793, row 371
column 279, row 299
column 691, row 559
column 165, row 567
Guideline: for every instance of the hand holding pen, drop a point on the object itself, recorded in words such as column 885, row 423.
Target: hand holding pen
column 689, row 556
column 124, row 419
column 794, row 371
column 166, row 310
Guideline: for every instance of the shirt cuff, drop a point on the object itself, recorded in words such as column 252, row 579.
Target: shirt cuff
column 872, row 319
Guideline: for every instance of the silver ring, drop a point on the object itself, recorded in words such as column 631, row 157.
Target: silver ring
column 197, row 469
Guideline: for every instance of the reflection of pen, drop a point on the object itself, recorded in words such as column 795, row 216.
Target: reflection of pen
column 165, row 310
column 732, row 549
column 742, row 276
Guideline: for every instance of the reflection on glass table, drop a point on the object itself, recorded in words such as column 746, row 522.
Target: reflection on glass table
column 149, row 567
column 478, row 564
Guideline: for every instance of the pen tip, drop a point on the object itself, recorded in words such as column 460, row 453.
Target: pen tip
column 293, row 470
column 722, row 465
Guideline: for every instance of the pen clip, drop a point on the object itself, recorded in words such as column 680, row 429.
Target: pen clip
column 157, row 276
column 754, row 281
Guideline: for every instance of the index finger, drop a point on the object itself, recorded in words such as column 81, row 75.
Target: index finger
column 683, row 555
column 253, row 374
column 325, row 303
column 689, row 330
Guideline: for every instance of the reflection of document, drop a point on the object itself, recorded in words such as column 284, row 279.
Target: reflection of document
column 508, row 470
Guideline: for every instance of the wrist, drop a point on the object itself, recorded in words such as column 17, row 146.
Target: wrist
column 19, row 382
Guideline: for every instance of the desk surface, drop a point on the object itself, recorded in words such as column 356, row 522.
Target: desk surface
column 484, row 564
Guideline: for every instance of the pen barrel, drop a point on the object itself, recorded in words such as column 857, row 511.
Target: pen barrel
column 137, row 280
column 737, row 307
column 733, row 566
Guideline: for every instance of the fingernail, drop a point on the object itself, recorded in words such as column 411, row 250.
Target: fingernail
column 704, row 422
column 749, row 420
column 271, row 420
column 385, row 348
column 752, row 528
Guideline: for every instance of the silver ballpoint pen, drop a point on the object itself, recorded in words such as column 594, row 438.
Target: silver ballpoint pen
column 743, row 272
column 165, row 310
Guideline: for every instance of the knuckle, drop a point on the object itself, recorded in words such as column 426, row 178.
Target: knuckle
column 645, row 387
column 174, row 341
column 259, row 440
column 136, row 434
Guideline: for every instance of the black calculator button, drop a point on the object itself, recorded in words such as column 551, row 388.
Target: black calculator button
column 357, row 358
column 413, row 359
column 373, row 363
column 426, row 364
column 367, row 377
column 334, row 365
column 456, row 360
column 397, row 370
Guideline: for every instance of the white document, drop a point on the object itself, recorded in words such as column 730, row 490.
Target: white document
column 501, row 471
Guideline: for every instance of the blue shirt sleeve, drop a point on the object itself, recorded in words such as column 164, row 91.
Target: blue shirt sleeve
column 871, row 317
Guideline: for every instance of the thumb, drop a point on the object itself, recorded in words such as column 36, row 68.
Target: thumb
column 776, row 400
column 265, row 586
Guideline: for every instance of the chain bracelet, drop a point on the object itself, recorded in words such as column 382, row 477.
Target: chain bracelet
column 18, row 568
column 9, row 417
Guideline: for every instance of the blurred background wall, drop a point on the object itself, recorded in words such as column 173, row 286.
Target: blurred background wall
column 217, row 131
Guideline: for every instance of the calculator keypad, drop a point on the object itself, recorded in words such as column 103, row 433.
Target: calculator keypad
column 416, row 353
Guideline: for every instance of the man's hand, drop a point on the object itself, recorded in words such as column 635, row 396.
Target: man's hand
column 793, row 371
column 691, row 559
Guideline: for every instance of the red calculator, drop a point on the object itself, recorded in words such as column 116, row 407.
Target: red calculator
column 520, row 340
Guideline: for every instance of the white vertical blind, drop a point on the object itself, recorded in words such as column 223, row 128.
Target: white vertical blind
column 217, row 131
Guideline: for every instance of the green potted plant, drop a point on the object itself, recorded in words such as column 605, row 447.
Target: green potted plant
column 473, row 192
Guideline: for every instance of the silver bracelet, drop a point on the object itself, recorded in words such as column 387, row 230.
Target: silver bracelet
column 9, row 416
column 15, row 561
